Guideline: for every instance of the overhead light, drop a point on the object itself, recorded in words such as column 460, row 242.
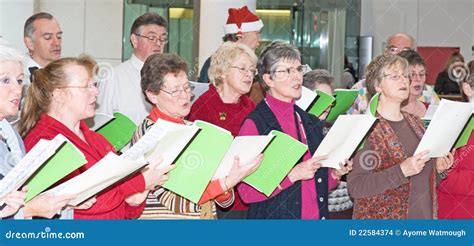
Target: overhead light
column 275, row 12
column 178, row 13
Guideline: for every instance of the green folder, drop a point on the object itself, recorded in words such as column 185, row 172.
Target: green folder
column 323, row 101
column 63, row 162
column 119, row 131
column 465, row 134
column 278, row 159
column 373, row 104
column 196, row 165
column 344, row 100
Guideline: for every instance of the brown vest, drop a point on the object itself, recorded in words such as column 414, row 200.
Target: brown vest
column 393, row 203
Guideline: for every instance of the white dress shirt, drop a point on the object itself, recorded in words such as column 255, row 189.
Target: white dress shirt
column 122, row 93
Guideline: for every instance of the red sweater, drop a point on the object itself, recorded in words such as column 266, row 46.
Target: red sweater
column 456, row 192
column 110, row 203
column 209, row 107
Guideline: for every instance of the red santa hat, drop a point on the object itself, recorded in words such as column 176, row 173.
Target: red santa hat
column 242, row 20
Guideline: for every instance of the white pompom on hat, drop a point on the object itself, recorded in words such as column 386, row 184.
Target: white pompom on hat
column 242, row 20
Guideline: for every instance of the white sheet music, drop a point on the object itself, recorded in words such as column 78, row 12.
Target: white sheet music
column 307, row 97
column 106, row 172
column 33, row 160
column 448, row 122
column 164, row 139
column 343, row 138
column 247, row 148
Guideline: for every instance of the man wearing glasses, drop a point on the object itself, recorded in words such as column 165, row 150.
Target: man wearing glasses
column 122, row 93
column 399, row 42
column 395, row 43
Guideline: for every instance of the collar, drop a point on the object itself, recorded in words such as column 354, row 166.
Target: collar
column 94, row 146
column 44, row 117
column 137, row 63
column 31, row 63
column 156, row 114
column 276, row 103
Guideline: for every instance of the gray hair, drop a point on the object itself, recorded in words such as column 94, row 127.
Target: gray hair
column 272, row 54
column 8, row 53
column 29, row 29
column 317, row 76
column 156, row 67
column 149, row 18
column 412, row 40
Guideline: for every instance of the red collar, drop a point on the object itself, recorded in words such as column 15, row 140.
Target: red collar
column 156, row 114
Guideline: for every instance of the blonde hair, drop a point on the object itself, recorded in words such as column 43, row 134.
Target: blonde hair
column 223, row 58
column 455, row 56
column 44, row 82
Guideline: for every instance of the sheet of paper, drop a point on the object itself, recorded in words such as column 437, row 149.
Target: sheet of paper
column 343, row 138
column 29, row 164
column 156, row 141
column 172, row 144
column 65, row 160
column 445, row 127
column 247, row 148
column 106, row 172
column 307, row 98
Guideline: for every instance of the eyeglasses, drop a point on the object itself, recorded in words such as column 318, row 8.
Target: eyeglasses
column 88, row 86
column 285, row 73
column 420, row 75
column 395, row 50
column 175, row 93
column 154, row 39
column 396, row 76
column 243, row 70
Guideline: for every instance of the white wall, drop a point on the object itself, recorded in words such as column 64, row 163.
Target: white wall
column 13, row 14
column 446, row 23
column 90, row 26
